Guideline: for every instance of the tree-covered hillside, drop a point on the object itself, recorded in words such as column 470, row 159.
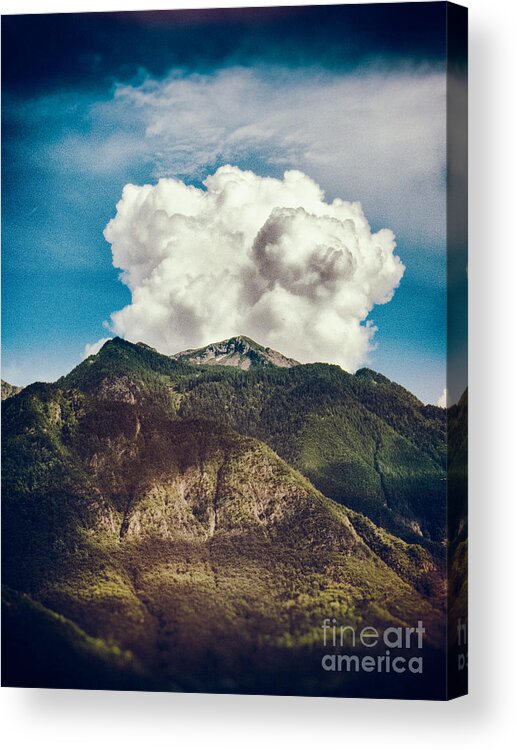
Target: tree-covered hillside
column 161, row 528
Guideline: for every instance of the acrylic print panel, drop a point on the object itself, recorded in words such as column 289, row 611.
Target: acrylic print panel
column 234, row 395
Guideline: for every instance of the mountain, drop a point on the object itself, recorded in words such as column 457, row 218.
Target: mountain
column 239, row 351
column 458, row 469
column 362, row 440
column 9, row 390
column 457, row 521
column 153, row 538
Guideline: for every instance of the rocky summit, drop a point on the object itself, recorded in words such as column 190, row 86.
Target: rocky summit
column 239, row 351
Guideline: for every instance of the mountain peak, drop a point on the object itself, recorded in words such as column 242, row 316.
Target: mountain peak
column 237, row 351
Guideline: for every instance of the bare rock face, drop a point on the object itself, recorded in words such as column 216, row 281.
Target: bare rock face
column 117, row 389
column 239, row 351
column 9, row 390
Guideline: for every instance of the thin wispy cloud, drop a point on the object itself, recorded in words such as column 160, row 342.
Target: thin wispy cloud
column 379, row 136
column 375, row 137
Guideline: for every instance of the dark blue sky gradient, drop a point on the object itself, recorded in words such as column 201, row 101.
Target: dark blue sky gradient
column 90, row 50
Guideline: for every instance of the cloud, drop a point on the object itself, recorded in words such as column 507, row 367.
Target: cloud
column 264, row 257
column 442, row 401
column 91, row 349
column 380, row 135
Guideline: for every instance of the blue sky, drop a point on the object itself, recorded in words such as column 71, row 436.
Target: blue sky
column 353, row 96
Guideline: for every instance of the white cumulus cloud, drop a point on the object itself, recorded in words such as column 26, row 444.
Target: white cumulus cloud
column 442, row 401
column 264, row 257
column 95, row 348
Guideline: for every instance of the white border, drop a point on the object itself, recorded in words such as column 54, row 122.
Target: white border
column 68, row 719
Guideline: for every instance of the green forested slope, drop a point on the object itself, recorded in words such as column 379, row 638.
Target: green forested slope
column 155, row 537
